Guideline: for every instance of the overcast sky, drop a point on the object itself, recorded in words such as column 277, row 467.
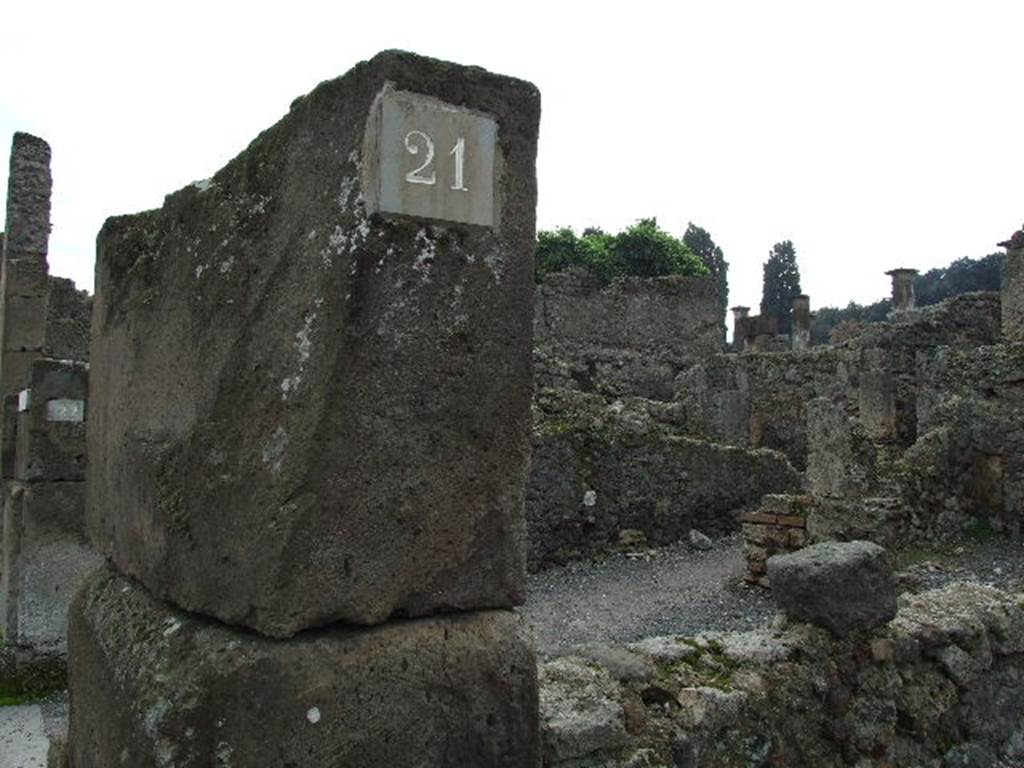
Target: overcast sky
column 872, row 134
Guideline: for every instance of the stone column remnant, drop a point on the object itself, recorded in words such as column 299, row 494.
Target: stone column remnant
column 801, row 337
column 739, row 327
column 1013, row 288
column 903, row 297
column 310, row 410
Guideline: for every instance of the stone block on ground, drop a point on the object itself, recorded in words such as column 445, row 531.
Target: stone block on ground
column 154, row 686
column 842, row 586
column 303, row 411
column 51, row 441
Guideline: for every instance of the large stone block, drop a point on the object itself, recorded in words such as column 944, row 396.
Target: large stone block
column 51, row 433
column 302, row 412
column 46, row 556
column 842, row 586
column 153, row 686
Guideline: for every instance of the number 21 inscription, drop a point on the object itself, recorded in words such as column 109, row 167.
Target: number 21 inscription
column 416, row 139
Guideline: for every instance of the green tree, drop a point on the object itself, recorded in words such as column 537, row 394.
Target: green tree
column 961, row 276
column 642, row 250
column 781, row 284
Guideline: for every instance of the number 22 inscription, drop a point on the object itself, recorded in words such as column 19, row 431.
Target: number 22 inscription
column 415, row 139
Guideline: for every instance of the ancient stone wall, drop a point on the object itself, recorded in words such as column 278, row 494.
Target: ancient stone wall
column 942, row 684
column 760, row 400
column 628, row 338
column 309, row 419
column 969, row 463
column 44, row 381
column 622, row 476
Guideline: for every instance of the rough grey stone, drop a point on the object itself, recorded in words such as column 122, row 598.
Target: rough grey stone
column 153, row 686
column 699, row 541
column 620, row 662
column 580, row 710
column 46, row 557
column 842, row 586
column 969, row 755
column 672, row 315
column 68, row 318
column 1013, row 295
column 301, row 413
column 841, row 461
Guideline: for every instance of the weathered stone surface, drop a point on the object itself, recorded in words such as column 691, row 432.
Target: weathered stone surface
column 1013, row 295
column 68, row 317
column 969, row 462
column 46, row 556
column 677, row 315
column 27, row 229
column 51, row 445
column 9, row 435
column 301, row 413
column 631, row 338
column 153, row 686
column 599, row 470
column 844, row 587
column 760, row 400
column 580, row 710
column 799, row 697
column 841, row 459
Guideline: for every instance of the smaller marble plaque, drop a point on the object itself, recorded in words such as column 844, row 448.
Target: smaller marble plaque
column 63, row 409
column 24, row 400
column 430, row 159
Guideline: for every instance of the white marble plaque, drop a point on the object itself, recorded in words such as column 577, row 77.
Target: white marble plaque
column 24, row 400
column 65, row 410
column 430, row 159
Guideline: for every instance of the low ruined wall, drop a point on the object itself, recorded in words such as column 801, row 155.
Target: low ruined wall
column 631, row 337
column 940, row 685
column 602, row 475
column 760, row 399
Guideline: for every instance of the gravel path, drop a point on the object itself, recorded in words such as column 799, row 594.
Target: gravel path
column 677, row 590
column 23, row 742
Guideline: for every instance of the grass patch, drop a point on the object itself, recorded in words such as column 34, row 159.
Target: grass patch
column 32, row 683
column 981, row 532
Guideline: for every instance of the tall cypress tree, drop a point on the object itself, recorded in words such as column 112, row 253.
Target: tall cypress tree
column 698, row 240
column 781, row 284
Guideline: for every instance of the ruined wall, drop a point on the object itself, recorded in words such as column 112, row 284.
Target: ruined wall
column 605, row 476
column 942, row 684
column 760, row 400
column 628, row 338
column 969, row 463
column 44, row 326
